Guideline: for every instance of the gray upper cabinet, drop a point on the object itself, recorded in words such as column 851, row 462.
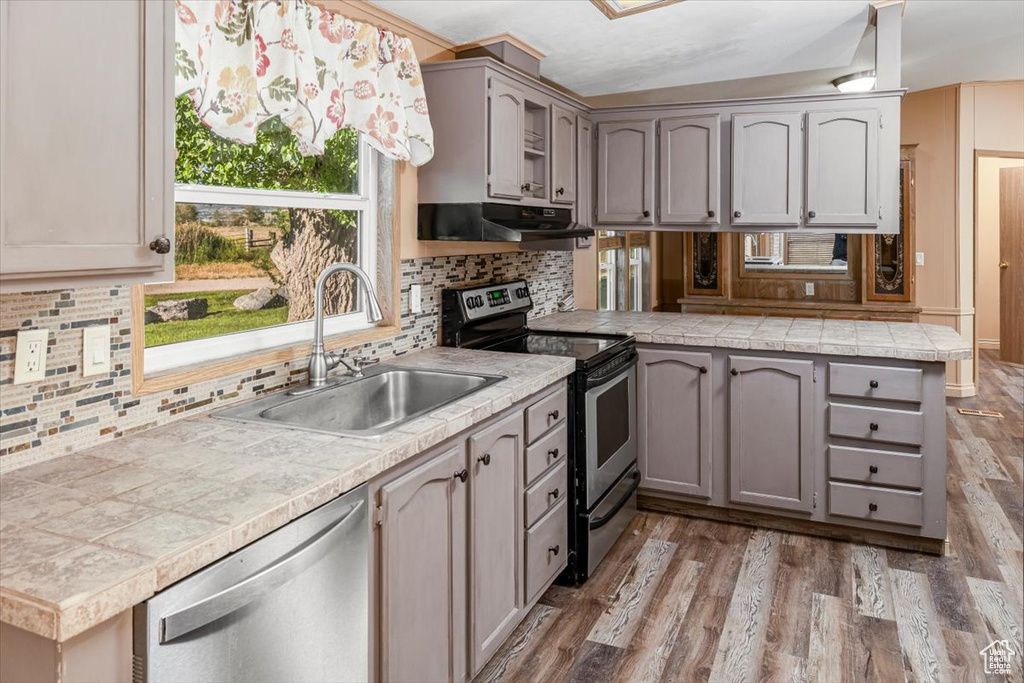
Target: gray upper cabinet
column 495, row 536
column 423, row 571
column 842, row 168
column 584, row 171
column 767, row 150
column 675, row 438
column 505, row 139
column 688, row 170
column 563, row 155
column 771, row 432
column 83, row 208
column 625, row 172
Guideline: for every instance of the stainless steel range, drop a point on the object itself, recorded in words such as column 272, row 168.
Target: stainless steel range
column 602, row 416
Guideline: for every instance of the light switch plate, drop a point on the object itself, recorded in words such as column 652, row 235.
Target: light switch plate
column 809, row 288
column 415, row 294
column 96, row 350
column 30, row 356
column 919, row 258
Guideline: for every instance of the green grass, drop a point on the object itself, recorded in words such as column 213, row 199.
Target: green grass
column 222, row 318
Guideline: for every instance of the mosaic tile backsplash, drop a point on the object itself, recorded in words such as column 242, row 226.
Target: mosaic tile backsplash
column 69, row 412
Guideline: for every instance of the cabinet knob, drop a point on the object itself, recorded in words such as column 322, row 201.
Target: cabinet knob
column 711, row 213
column 812, row 214
column 703, row 370
column 554, row 549
column 873, row 469
column 560, row 191
column 872, row 507
column 553, row 414
column 873, row 426
column 161, row 245
column 462, row 475
column 553, row 492
column 734, row 372
column 553, row 453
column 647, row 214
column 873, row 384
column 737, row 214
column 485, row 459
column 525, row 187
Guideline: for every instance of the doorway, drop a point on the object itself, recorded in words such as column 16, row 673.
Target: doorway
column 999, row 264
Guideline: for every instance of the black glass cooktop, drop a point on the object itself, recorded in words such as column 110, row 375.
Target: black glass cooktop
column 581, row 347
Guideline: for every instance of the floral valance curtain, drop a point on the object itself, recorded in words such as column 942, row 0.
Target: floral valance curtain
column 245, row 61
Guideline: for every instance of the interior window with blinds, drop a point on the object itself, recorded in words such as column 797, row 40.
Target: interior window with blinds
column 784, row 252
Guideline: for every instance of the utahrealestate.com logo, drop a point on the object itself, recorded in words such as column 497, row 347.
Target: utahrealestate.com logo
column 997, row 657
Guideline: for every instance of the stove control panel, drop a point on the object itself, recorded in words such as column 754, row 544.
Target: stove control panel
column 488, row 300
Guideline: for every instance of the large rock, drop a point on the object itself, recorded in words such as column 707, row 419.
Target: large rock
column 177, row 309
column 264, row 297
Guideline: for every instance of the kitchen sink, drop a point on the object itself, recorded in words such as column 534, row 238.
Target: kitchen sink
column 380, row 401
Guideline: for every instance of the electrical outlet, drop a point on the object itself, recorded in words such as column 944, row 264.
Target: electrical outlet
column 919, row 258
column 30, row 356
column 809, row 288
column 96, row 350
column 584, row 242
column 415, row 296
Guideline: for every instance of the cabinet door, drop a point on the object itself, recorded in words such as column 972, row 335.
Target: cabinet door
column 584, row 171
column 423, row 566
column 688, row 178
column 842, row 168
column 563, row 155
column 85, row 190
column 625, row 172
column 766, row 169
column 505, row 140
column 771, row 427
column 495, row 536
column 675, row 425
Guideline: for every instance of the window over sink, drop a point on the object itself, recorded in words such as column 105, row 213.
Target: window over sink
column 254, row 226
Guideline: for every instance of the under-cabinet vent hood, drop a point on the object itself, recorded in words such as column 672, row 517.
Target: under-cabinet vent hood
column 490, row 222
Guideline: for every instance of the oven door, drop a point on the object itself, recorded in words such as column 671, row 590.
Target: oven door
column 610, row 429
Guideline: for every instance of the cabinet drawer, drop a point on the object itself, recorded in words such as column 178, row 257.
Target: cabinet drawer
column 874, row 467
column 546, row 452
column 876, row 424
column 548, row 491
column 875, row 504
column 545, row 550
column 873, row 381
column 545, row 414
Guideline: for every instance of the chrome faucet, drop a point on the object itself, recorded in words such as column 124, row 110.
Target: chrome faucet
column 321, row 362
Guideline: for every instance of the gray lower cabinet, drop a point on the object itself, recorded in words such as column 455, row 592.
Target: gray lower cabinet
column 423, row 571
column 625, row 172
column 674, row 409
column 771, row 432
column 495, row 536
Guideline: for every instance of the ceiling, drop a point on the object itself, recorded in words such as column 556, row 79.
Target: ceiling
column 709, row 49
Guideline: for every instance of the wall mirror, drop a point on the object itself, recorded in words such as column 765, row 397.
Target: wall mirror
column 795, row 253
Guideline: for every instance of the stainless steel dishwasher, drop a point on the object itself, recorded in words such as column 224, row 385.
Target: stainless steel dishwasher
column 292, row 606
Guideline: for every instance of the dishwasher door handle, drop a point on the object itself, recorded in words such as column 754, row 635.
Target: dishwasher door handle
column 278, row 573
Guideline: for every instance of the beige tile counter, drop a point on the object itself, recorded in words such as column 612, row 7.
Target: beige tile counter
column 86, row 536
column 907, row 341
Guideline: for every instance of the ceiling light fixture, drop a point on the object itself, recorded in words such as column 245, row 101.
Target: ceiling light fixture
column 862, row 81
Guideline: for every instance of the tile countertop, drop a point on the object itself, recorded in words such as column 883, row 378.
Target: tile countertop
column 875, row 339
column 86, row 536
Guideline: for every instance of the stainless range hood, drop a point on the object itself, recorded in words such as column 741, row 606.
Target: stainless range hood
column 491, row 222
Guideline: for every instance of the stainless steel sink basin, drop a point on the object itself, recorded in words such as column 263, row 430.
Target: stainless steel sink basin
column 383, row 399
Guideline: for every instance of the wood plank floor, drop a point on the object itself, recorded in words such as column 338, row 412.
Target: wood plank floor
column 681, row 599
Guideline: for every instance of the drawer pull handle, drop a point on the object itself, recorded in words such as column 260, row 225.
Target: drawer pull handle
column 554, row 549
column 553, row 453
column 553, row 414
column 873, row 384
column 553, row 492
column 703, row 370
column 734, row 372
column 873, row 426
column 485, row 459
column 462, row 475
column 873, row 469
column 872, row 507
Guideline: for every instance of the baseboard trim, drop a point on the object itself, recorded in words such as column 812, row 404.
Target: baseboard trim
column 961, row 390
column 654, row 503
column 988, row 344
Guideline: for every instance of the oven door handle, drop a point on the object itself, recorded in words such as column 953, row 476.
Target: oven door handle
column 601, row 521
column 633, row 359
